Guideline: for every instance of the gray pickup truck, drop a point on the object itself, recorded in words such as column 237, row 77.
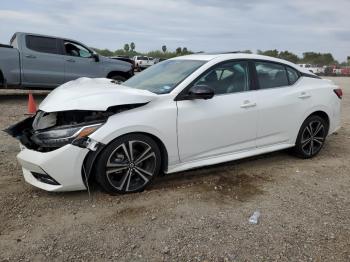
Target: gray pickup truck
column 39, row 61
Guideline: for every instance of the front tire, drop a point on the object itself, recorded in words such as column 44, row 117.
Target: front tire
column 311, row 138
column 118, row 79
column 128, row 164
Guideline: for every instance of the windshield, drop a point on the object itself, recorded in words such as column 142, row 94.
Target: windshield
column 165, row 76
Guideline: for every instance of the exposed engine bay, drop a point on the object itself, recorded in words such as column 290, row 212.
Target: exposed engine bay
column 48, row 131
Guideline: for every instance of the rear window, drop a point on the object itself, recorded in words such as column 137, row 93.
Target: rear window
column 142, row 58
column 42, row 44
column 271, row 75
column 293, row 75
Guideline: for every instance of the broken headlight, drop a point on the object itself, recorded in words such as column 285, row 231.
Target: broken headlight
column 59, row 137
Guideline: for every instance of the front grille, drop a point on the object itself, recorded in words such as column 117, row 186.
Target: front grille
column 45, row 178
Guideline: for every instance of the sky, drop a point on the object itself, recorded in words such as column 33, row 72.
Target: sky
column 200, row 25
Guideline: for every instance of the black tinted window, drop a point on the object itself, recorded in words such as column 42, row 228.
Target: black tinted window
column 293, row 75
column 42, row 44
column 227, row 78
column 271, row 75
column 74, row 49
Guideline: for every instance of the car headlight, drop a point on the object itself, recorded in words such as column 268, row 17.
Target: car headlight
column 62, row 136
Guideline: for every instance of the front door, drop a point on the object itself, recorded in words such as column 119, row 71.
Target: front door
column 224, row 124
column 79, row 62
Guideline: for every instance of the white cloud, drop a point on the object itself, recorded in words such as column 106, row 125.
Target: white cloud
column 210, row 25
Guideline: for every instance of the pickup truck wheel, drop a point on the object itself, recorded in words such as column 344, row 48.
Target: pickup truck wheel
column 118, row 79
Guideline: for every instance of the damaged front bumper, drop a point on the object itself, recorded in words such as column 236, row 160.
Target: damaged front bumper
column 57, row 170
column 50, row 161
column 57, row 153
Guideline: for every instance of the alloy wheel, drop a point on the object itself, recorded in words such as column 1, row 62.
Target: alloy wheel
column 313, row 137
column 131, row 166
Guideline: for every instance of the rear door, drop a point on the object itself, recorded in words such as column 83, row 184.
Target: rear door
column 42, row 62
column 281, row 102
column 79, row 62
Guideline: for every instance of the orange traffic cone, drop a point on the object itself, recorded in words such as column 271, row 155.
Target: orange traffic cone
column 31, row 104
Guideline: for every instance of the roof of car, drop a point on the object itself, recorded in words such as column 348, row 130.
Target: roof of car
column 234, row 55
column 49, row 36
column 209, row 56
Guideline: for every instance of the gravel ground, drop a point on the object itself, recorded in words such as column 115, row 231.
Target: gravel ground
column 199, row 215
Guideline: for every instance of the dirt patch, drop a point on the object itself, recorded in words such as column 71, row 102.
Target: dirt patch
column 198, row 215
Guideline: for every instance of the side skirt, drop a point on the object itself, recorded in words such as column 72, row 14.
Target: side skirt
column 225, row 158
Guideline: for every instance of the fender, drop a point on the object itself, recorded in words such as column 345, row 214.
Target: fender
column 309, row 112
column 143, row 120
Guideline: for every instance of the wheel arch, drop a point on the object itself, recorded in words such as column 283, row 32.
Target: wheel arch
column 92, row 156
column 319, row 111
column 323, row 115
column 162, row 148
column 119, row 73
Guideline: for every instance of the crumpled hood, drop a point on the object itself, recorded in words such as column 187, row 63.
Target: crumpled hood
column 93, row 94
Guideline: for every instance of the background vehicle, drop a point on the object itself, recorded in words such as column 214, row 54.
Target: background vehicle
column 313, row 68
column 125, row 59
column 157, row 60
column 142, row 62
column 183, row 113
column 45, row 62
column 345, row 71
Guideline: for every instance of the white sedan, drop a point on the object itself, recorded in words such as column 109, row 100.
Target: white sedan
column 183, row 113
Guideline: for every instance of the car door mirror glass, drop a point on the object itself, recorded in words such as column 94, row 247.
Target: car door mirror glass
column 201, row 92
column 96, row 57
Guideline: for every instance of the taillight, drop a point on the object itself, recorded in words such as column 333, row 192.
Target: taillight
column 338, row 92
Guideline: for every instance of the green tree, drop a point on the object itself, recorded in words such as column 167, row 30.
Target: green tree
column 132, row 46
column 164, row 48
column 184, row 50
column 318, row 58
column 286, row 55
column 178, row 50
column 104, row 52
column 126, row 47
column 273, row 53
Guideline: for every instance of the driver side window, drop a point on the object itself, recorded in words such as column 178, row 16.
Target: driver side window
column 231, row 77
column 74, row 49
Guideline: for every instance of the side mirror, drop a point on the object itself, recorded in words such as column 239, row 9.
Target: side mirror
column 200, row 92
column 96, row 57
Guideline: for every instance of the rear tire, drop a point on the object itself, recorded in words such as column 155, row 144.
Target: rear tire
column 311, row 138
column 128, row 164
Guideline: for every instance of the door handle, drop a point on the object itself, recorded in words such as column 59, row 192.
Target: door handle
column 247, row 104
column 30, row 56
column 304, row 95
column 70, row 60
